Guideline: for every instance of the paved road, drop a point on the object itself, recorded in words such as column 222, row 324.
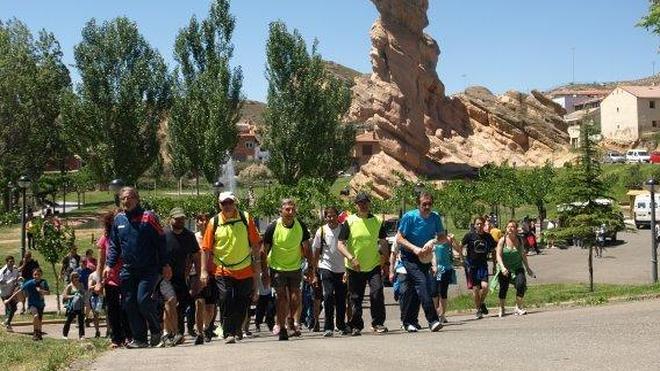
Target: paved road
column 612, row 337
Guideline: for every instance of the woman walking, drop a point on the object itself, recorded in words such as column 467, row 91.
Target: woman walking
column 511, row 267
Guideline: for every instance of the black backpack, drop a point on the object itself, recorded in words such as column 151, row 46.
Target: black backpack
column 243, row 219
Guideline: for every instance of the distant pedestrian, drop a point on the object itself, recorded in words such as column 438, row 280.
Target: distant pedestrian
column 511, row 268
column 74, row 299
column 34, row 289
column 600, row 240
column 443, row 273
column 9, row 277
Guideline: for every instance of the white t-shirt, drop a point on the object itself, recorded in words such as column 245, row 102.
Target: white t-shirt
column 330, row 257
column 8, row 281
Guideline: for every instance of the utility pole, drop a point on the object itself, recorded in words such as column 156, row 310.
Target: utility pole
column 573, row 66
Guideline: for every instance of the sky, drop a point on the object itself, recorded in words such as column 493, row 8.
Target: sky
column 502, row 45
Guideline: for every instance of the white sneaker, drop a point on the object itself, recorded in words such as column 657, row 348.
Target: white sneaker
column 65, row 337
column 520, row 312
column 411, row 328
column 501, row 313
column 479, row 315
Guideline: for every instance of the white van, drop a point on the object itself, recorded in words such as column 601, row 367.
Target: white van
column 642, row 210
column 637, row 156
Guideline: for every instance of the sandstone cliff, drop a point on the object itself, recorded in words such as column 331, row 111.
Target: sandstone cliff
column 424, row 132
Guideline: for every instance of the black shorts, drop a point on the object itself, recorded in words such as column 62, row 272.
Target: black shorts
column 285, row 279
column 209, row 292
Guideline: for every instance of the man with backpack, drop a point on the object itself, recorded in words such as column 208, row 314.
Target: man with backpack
column 285, row 242
column 233, row 239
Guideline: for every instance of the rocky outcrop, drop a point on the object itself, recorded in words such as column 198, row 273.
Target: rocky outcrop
column 424, row 132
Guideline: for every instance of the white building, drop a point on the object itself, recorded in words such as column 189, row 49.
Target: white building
column 575, row 99
column 628, row 112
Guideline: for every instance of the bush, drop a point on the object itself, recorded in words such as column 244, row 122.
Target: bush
column 10, row 217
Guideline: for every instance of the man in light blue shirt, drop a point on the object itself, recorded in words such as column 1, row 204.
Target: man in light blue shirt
column 416, row 228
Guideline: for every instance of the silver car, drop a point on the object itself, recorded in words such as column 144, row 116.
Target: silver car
column 614, row 157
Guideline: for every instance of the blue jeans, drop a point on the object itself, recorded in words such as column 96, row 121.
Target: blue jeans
column 408, row 302
column 137, row 291
column 417, row 277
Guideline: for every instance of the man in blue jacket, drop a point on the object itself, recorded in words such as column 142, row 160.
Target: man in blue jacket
column 138, row 239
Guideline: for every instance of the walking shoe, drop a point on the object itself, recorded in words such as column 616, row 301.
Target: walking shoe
column 417, row 325
column 345, row 331
column 199, row 340
column 379, row 329
column 520, row 311
column 479, row 315
column 411, row 328
column 276, row 329
column 156, row 340
column 327, row 333
column 356, row 332
column 247, row 334
column 435, row 326
column 178, row 339
column 65, row 337
column 443, row 319
column 283, row 335
column 296, row 330
column 192, row 333
column 136, row 345
column 81, row 338
column 208, row 335
column 230, row 340
column 501, row 313
column 484, row 309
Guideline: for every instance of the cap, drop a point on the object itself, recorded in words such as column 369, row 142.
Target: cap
column 224, row 196
column 177, row 212
column 362, row 197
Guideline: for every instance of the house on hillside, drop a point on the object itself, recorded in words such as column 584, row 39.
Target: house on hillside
column 366, row 145
column 628, row 112
column 577, row 99
column 575, row 119
column 248, row 147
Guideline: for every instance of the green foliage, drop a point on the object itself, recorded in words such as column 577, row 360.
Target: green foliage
column 10, row 217
column 53, row 242
column 303, row 129
column 208, row 95
column 499, row 185
column 113, row 121
column 634, row 179
column 192, row 205
column 651, row 22
column 458, row 201
column 32, row 80
column 537, row 186
column 254, row 174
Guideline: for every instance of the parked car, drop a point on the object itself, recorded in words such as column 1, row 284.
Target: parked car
column 613, row 157
column 655, row 157
column 637, row 156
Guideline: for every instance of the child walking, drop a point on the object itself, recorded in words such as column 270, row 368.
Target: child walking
column 34, row 289
column 74, row 297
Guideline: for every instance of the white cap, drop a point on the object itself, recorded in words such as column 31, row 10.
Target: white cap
column 226, row 196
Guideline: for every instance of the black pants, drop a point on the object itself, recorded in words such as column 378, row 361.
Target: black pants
column 70, row 315
column 140, row 307
column 357, row 282
column 334, row 297
column 265, row 311
column 234, row 300
column 418, row 279
column 184, row 302
column 117, row 319
column 408, row 302
column 10, row 310
column 520, row 283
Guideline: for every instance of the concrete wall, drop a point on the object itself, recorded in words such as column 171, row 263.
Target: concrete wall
column 618, row 116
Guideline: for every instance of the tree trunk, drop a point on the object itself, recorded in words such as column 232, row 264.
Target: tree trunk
column 78, row 194
column 180, row 185
column 197, row 183
column 591, row 268
column 57, row 288
column 513, row 212
column 6, row 200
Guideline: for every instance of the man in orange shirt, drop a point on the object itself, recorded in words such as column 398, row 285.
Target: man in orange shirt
column 233, row 239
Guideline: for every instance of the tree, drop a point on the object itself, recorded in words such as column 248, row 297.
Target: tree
column 498, row 186
column 305, row 105
column 32, row 82
column 53, row 242
column 254, row 174
column 651, row 22
column 208, row 95
column 125, row 90
column 537, row 187
column 457, row 199
column 578, row 190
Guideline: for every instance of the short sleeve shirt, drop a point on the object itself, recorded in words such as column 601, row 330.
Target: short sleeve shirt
column 34, row 298
column 418, row 230
column 180, row 246
column 330, row 258
column 478, row 247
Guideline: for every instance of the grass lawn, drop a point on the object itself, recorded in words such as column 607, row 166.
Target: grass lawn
column 540, row 295
column 19, row 352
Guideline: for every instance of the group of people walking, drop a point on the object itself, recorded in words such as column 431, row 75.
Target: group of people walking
column 152, row 279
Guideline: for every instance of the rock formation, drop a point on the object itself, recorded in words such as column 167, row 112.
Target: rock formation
column 424, row 132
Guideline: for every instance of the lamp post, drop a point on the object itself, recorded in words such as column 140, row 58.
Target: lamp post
column 650, row 185
column 217, row 187
column 115, row 186
column 24, row 182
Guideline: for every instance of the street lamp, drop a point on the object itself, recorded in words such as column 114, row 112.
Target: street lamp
column 650, row 185
column 115, row 186
column 217, row 187
column 24, row 182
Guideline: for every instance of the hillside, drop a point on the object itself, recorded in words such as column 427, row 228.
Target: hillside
column 607, row 86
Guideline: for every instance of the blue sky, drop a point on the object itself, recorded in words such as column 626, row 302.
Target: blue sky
column 503, row 45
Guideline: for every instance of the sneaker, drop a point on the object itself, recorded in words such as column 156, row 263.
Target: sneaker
column 199, row 340
column 356, row 332
column 208, row 335
column 230, row 340
column 484, row 309
column 417, row 325
column 478, row 315
column 501, row 313
column 327, row 333
column 276, row 330
column 156, row 340
column 345, row 331
column 411, row 328
column 379, row 329
column 65, row 337
column 136, row 345
column 296, row 330
column 520, row 312
column 435, row 326
column 283, row 335
column 247, row 334
column 192, row 333
column 443, row 320
column 178, row 339
column 81, row 338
